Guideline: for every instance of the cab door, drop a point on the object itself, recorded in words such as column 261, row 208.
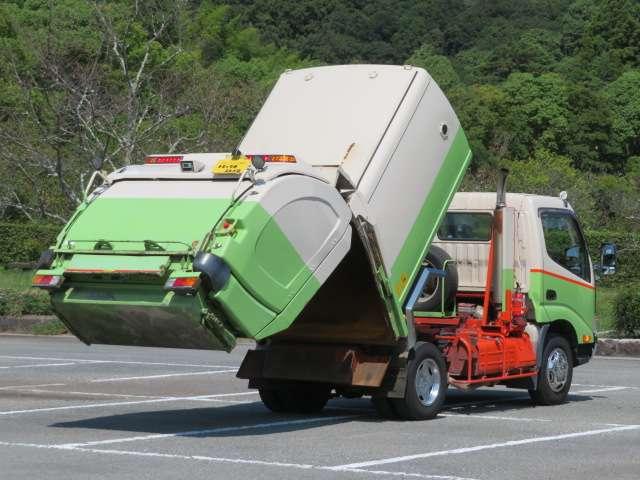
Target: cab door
column 568, row 282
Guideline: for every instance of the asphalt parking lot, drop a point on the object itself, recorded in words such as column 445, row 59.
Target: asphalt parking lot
column 71, row 411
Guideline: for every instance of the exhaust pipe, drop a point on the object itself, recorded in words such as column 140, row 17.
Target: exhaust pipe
column 501, row 199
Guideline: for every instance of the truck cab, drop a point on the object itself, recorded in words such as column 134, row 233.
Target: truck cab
column 551, row 263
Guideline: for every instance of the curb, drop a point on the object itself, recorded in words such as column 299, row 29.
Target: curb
column 618, row 347
column 23, row 324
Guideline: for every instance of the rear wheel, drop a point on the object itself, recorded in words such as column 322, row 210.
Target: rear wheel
column 426, row 384
column 295, row 398
column 556, row 372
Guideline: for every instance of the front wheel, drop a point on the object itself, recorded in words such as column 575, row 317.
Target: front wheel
column 556, row 373
column 426, row 384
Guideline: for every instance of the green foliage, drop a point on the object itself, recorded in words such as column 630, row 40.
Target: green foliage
column 628, row 265
column 549, row 88
column 627, row 310
column 50, row 327
column 16, row 303
column 24, row 242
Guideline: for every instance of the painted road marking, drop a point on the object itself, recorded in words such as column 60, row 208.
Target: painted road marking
column 20, row 387
column 209, row 431
column 477, row 448
column 604, row 386
column 38, row 365
column 598, row 390
column 167, row 375
column 118, row 404
column 240, row 461
column 122, row 362
column 494, row 417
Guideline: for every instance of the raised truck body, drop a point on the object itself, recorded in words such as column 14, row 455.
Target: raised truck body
column 310, row 239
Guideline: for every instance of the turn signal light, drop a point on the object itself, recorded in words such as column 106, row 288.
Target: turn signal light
column 47, row 281
column 182, row 284
column 275, row 158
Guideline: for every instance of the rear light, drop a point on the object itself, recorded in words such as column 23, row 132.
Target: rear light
column 183, row 284
column 274, row 158
column 163, row 159
column 47, row 281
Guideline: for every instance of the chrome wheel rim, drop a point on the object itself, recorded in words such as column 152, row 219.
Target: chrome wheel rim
column 557, row 369
column 427, row 382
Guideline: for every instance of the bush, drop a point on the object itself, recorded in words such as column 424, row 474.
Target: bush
column 627, row 309
column 628, row 268
column 24, row 302
column 51, row 327
column 23, row 242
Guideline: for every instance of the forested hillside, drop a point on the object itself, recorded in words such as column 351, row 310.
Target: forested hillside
column 549, row 88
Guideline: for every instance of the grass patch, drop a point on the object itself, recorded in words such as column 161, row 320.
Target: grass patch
column 15, row 279
column 51, row 327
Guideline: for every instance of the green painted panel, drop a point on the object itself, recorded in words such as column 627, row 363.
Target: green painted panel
column 416, row 245
column 574, row 303
column 508, row 283
column 261, row 257
column 184, row 220
column 292, row 310
column 243, row 311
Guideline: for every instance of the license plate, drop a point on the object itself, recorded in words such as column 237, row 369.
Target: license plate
column 231, row 166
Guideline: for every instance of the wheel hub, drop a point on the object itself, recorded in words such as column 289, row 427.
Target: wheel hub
column 427, row 382
column 557, row 369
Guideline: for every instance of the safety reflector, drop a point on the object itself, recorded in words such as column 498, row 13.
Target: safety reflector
column 163, row 159
column 275, row 158
column 47, row 281
column 182, row 284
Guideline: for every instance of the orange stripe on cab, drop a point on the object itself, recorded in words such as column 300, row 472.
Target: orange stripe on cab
column 562, row 277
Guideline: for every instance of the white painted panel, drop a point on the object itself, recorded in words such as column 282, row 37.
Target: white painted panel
column 319, row 114
column 310, row 212
column 402, row 173
column 471, row 262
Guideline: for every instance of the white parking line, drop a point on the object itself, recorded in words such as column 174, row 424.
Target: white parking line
column 90, row 394
column 167, row 375
column 209, row 431
column 20, row 387
column 632, row 387
column 477, row 448
column 37, row 365
column 598, row 390
column 118, row 404
column 121, row 362
column 240, row 461
column 494, row 417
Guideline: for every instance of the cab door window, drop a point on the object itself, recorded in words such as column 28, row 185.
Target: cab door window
column 565, row 244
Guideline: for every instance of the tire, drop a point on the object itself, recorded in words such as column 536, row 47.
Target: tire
column 431, row 297
column 300, row 398
column 272, row 399
column 556, row 372
column 426, row 384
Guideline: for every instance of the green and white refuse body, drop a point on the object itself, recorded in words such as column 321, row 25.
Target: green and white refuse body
column 392, row 156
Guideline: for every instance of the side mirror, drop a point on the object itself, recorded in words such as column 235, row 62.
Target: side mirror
column 608, row 258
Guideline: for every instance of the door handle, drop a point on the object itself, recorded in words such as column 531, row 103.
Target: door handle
column 552, row 295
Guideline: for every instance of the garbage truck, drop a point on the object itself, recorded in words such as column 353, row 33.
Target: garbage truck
column 330, row 238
